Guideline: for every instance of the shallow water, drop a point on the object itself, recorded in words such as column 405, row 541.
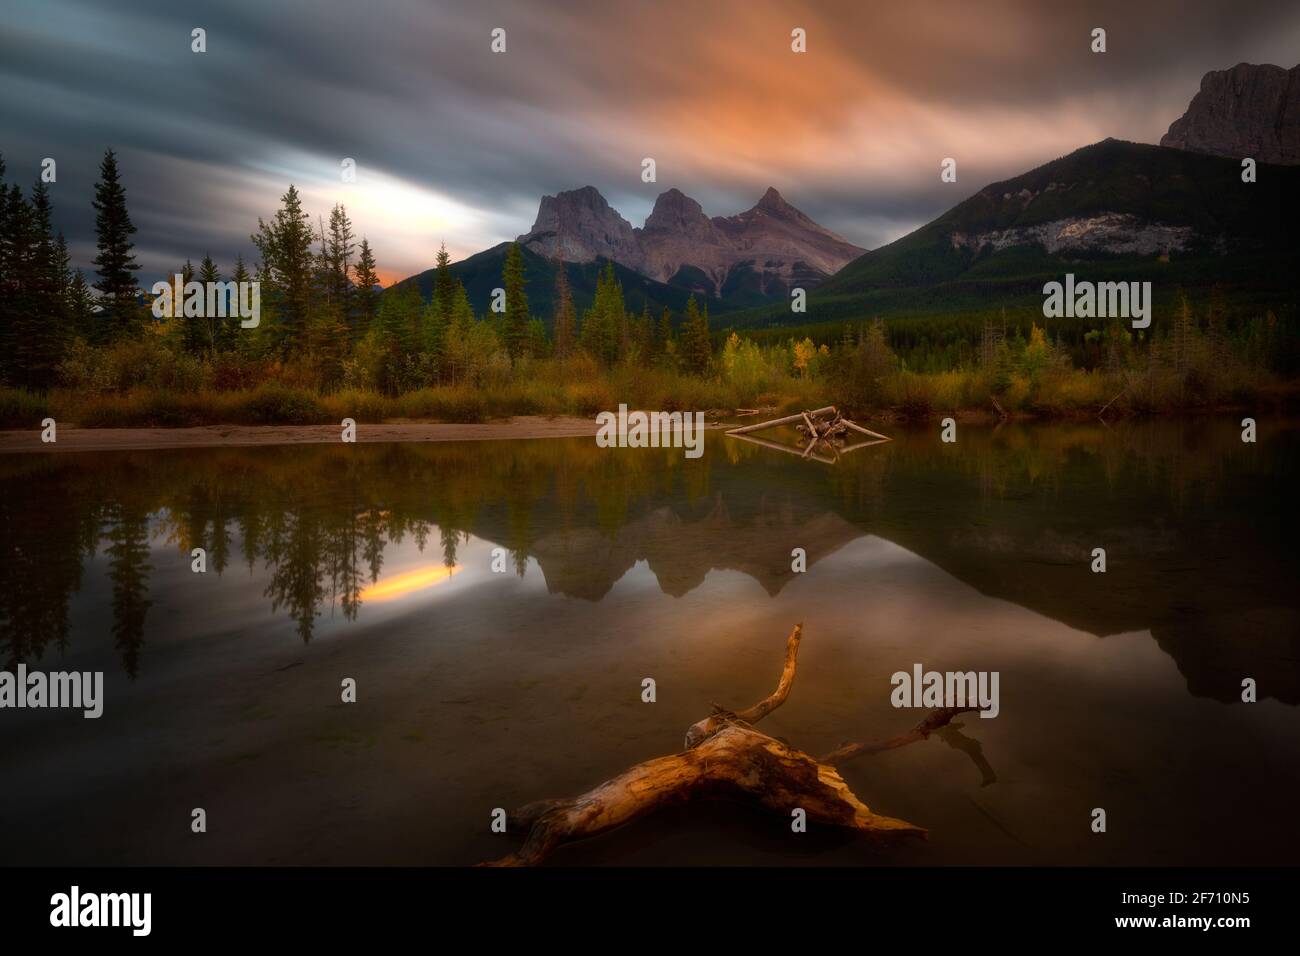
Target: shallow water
column 479, row 689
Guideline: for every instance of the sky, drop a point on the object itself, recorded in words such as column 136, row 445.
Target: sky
column 455, row 143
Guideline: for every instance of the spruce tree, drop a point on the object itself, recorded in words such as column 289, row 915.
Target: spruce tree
column 565, row 320
column 444, row 286
column 218, row 331
column 339, row 249
column 435, row 329
column 249, row 340
column 459, row 333
column 15, row 244
column 115, row 264
column 696, row 347
column 366, row 296
column 285, row 246
column 515, row 326
column 45, row 322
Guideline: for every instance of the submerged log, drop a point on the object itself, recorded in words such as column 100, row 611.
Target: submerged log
column 787, row 420
column 725, row 757
column 822, row 428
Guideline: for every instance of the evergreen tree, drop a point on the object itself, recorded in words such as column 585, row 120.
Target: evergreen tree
column 400, row 335
column 33, row 302
column 444, row 286
column 218, row 331
column 696, row 346
column 239, row 339
column 515, row 326
column 366, row 295
column 602, row 326
column 15, row 305
column 15, row 265
column 115, row 264
column 284, row 245
column 565, row 320
column 327, row 342
column 44, row 326
column 435, row 329
column 339, row 248
column 399, row 313
column 459, row 334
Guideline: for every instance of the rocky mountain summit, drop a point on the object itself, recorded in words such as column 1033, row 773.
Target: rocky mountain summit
column 1250, row 110
column 769, row 248
column 580, row 226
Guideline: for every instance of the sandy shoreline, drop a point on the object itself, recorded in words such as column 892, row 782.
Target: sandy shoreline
column 207, row 436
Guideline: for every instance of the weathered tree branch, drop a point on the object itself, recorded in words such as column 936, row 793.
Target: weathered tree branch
column 725, row 757
column 737, row 762
column 701, row 730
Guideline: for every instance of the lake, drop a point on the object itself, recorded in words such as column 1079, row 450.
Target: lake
column 480, row 688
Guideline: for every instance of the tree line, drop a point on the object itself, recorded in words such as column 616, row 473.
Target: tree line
column 324, row 313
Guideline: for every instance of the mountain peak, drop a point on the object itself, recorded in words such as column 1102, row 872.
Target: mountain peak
column 1251, row 110
column 775, row 205
column 583, row 195
column 675, row 210
column 579, row 225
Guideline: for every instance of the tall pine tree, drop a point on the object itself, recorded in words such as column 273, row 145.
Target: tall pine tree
column 515, row 327
column 284, row 245
column 444, row 286
column 367, row 296
column 115, row 264
column 696, row 348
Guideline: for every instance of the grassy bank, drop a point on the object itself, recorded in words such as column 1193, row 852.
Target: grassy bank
column 901, row 395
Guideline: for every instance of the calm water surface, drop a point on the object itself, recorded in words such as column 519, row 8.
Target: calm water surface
column 479, row 689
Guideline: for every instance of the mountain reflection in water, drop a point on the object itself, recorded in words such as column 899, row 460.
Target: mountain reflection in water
column 1198, row 538
column 480, row 688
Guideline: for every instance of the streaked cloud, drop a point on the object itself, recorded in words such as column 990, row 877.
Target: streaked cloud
column 456, row 144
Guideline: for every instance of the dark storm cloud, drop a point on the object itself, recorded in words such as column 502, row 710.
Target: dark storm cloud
column 455, row 143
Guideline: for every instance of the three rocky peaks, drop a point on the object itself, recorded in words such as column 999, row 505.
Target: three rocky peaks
column 772, row 246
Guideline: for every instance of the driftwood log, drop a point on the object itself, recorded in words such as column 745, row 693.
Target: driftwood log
column 824, row 430
column 725, row 757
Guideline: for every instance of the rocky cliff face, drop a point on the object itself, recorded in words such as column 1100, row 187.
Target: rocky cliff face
column 1248, row 110
column 580, row 226
column 771, row 247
